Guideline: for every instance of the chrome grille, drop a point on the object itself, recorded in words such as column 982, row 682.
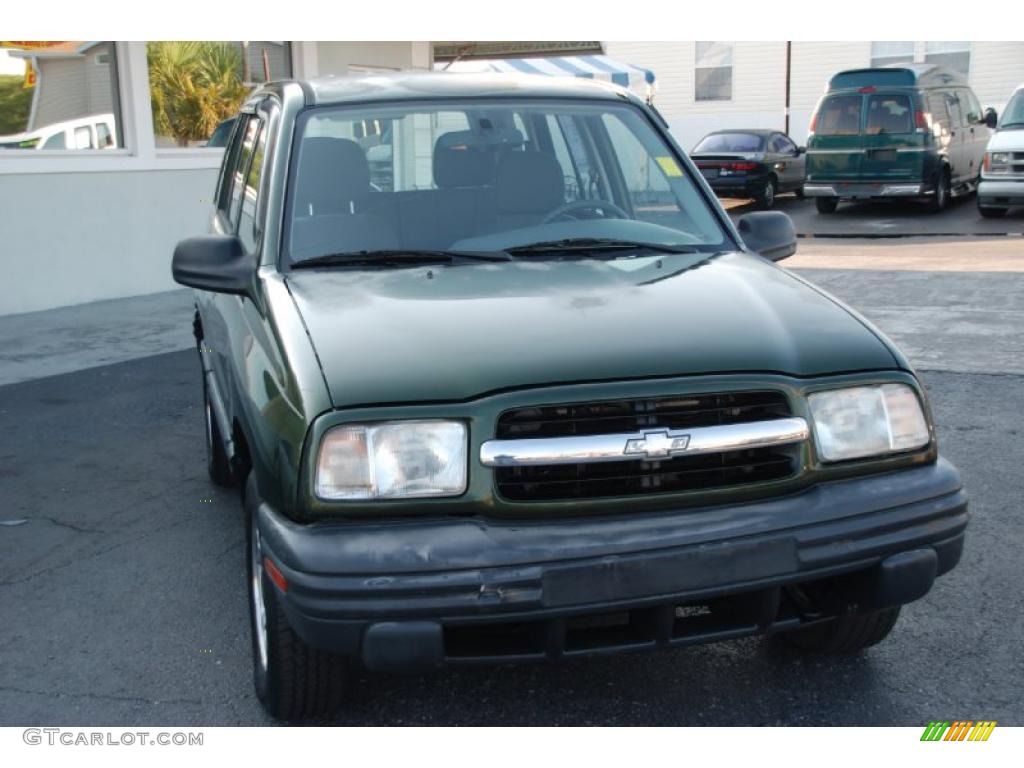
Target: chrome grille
column 601, row 477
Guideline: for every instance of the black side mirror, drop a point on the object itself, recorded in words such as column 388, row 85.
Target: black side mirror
column 991, row 118
column 769, row 234
column 800, row 151
column 215, row 263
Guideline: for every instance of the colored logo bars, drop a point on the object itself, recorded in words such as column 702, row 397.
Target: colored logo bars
column 961, row 730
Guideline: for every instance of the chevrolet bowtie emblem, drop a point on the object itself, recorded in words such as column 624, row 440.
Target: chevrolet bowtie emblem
column 656, row 445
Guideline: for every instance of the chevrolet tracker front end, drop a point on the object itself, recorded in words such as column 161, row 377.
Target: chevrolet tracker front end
column 501, row 381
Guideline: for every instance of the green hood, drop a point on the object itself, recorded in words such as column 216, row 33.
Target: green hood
column 455, row 332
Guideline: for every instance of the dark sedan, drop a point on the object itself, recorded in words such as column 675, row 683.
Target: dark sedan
column 758, row 164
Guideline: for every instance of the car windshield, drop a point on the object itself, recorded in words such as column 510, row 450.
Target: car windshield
column 490, row 177
column 730, row 142
column 1013, row 115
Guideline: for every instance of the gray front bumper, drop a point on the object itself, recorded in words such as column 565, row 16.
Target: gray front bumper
column 1001, row 192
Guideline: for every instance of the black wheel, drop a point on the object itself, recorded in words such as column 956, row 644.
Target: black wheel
column 799, row 192
column 845, row 634
column 217, row 462
column 826, row 204
column 991, row 213
column 940, row 200
column 767, row 197
column 292, row 679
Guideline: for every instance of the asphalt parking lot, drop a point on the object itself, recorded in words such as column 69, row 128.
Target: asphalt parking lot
column 889, row 219
column 122, row 567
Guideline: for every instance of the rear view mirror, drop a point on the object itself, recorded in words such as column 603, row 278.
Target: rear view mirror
column 991, row 118
column 215, row 263
column 769, row 234
column 800, row 151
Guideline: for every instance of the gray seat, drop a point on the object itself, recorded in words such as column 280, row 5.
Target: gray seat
column 462, row 205
column 528, row 186
column 333, row 175
column 332, row 193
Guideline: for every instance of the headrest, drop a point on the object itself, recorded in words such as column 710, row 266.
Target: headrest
column 529, row 182
column 332, row 173
column 462, row 160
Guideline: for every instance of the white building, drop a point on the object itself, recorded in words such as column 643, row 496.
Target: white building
column 711, row 85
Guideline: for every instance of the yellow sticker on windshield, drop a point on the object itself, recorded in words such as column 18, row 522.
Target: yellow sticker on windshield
column 669, row 165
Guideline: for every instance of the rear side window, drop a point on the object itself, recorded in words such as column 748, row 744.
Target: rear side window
column 839, row 115
column 889, row 114
column 248, row 229
column 55, row 142
column 939, row 111
column 238, row 186
column 227, row 177
column 956, row 109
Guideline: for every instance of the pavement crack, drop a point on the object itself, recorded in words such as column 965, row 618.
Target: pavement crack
column 70, row 526
column 98, row 696
column 99, row 553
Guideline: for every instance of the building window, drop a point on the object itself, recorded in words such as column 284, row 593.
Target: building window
column 59, row 95
column 890, row 52
column 951, row 54
column 196, row 87
column 713, row 71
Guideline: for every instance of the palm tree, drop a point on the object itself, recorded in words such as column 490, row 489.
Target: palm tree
column 194, row 86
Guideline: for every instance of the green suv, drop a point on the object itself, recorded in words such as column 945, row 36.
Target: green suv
column 500, row 382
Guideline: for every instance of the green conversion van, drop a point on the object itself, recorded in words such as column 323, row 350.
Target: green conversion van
column 912, row 131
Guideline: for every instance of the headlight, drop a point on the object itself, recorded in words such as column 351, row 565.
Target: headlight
column 392, row 460
column 999, row 158
column 867, row 421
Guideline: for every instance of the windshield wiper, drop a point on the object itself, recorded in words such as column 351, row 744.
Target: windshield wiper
column 398, row 258
column 579, row 245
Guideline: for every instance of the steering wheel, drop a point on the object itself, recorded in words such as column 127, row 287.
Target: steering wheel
column 586, row 205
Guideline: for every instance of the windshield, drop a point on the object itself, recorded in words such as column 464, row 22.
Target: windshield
column 1013, row 115
column 486, row 176
column 730, row 142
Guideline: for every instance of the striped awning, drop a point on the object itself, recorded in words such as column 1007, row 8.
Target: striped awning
column 594, row 66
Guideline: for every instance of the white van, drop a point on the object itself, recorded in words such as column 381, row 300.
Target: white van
column 1002, row 174
column 92, row 132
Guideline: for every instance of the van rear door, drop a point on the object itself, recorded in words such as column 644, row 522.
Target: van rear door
column 894, row 138
column 835, row 148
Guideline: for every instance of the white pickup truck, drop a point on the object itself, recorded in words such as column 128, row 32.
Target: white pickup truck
column 1002, row 175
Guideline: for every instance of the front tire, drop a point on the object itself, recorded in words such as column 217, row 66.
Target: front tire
column 991, row 213
column 767, row 197
column 826, row 204
column 217, row 462
column 293, row 680
column 845, row 634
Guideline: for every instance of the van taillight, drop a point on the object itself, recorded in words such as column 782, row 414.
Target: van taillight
column 868, row 89
column 922, row 124
column 814, row 123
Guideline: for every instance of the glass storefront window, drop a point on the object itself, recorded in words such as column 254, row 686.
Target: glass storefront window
column 59, row 95
column 197, row 87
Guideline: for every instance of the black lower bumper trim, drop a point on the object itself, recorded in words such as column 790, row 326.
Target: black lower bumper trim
column 880, row 540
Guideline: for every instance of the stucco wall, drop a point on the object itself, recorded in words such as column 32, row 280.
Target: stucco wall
column 78, row 237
